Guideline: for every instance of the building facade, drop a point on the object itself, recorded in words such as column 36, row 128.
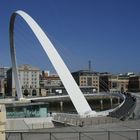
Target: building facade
column 119, row 83
column 134, row 83
column 3, row 80
column 114, row 83
column 2, row 88
column 123, row 81
column 29, row 80
column 49, row 82
column 87, row 79
column 3, row 72
column 104, row 82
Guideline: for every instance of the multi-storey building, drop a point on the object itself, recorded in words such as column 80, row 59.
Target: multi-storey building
column 49, row 82
column 87, row 79
column 114, row 83
column 3, row 77
column 104, row 82
column 134, row 83
column 2, row 91
column 119, row 83
column 29, row 80
column 3, row 72
column 123, row 81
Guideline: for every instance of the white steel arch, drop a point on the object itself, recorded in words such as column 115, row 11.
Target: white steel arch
column 72, row 88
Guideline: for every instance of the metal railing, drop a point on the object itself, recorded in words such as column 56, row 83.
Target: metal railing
column 75, row 120
column 76, row 135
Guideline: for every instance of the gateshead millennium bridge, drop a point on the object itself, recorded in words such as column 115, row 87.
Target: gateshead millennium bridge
column 86, row 116
column 69, row 83
column 80, row 103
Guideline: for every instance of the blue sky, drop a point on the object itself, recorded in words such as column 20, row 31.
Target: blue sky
column 107, row 32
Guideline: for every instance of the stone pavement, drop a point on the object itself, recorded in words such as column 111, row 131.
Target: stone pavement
column 128, row 130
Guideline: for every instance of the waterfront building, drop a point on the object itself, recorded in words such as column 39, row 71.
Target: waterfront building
column 2, row 90
column 44, row 74
column 87, row 79
column 134, row 83
column 3, row 72
column 119, row 83
column 123, row 81
column 3, row 79
column 48, row 83
column 29, row 80
column 104, row 82
column 114, row 83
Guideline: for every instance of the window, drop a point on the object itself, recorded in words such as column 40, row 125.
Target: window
column 89, row 81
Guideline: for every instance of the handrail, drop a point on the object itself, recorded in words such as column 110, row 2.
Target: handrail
column 103, row 134
column 42, row 132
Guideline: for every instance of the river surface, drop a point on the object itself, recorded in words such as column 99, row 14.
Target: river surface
column 68, row 107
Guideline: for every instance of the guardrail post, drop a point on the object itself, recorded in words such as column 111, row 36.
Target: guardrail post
column 50, row 135
column 137, row 134
column 79, row 135
column 108, row 135
column 21, row 136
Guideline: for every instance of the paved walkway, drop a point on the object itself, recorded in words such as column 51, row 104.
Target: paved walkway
column 128, row 130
